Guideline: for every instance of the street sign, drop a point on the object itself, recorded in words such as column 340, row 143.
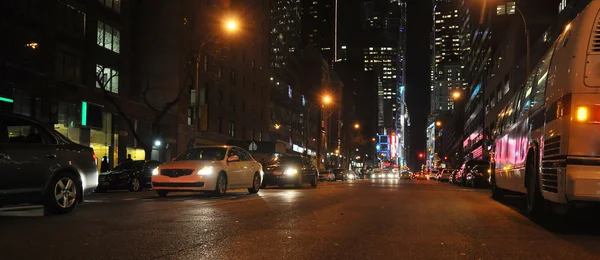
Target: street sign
column 252, row 146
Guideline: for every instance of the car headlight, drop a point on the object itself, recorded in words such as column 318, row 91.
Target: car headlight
column 206, row 170
column 155, row 171
column 290, row 171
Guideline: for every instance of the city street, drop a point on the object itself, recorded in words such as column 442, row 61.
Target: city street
column 383, row 219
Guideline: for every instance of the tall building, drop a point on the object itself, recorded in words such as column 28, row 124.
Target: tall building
column 285, row 29
column 384, row 29
column 446, row 61
column 319, row 26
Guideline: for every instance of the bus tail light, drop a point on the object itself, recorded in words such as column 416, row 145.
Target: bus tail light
column 582, row 113
column 587, row 114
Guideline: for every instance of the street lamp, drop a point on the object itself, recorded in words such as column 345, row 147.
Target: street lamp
column 230, row 26
column 456, row 94
column 326, row 100
column 356, row 126
column 438, row 123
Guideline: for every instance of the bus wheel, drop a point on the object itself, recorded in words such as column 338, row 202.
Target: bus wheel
column 497, row 193
column 537, row 206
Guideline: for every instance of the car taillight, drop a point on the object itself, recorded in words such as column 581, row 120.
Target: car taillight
column 95, row 158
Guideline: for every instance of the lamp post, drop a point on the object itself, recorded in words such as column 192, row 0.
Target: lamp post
column 326, row 101
column 229, row 26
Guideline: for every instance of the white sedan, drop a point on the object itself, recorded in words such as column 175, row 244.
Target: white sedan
column 209, row 169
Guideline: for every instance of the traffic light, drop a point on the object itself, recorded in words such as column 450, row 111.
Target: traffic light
column 421, row 155
column 445, row 157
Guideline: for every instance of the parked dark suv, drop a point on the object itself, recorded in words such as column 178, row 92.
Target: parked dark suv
column 132, row 175
column 39, row 165
column 286, row 169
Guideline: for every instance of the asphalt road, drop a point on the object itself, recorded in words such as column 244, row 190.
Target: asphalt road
column 385, row 219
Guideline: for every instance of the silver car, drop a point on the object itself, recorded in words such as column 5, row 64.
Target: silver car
column 38, row 164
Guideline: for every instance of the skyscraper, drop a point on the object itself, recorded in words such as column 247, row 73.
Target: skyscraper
column 319, row 26
column 286, row 34
column 384, row 28
column 446, row 63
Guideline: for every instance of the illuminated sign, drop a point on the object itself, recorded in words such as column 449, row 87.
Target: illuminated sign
column 393, row 145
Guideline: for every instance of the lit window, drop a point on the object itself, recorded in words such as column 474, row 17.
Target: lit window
column 562, row 5
column 108, row 37
column 501, row 10
column 511, row 7
column 107, row 78
column 112, row 4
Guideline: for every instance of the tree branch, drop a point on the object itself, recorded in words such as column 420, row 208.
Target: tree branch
column 108, row 96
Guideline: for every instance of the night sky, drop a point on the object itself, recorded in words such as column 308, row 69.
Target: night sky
column 417, row 73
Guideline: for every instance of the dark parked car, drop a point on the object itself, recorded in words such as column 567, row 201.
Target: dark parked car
column 132, row 175
column 340, row 174
column 39, row 165
column 461, row 176
column 287, row 169
column 478, row 176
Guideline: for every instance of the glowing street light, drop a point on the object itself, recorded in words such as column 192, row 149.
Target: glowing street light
column 277, row 126
column 356, row 126
column 438, row 123
column 231, row 25
column 326, row 100
column 456, row 94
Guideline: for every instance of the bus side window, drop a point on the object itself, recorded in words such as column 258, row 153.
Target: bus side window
column 539, row 90
column 518, row 105
column 527, row 96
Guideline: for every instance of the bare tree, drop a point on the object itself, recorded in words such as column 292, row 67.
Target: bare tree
column 105, row 78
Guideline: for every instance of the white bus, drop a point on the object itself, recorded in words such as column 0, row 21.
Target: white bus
column 548, row 136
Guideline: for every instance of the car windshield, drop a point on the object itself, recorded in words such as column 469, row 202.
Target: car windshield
column 134, row 165
column 283, row 160
column 203, row 154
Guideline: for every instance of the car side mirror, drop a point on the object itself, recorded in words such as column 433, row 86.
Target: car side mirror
column 233, row 158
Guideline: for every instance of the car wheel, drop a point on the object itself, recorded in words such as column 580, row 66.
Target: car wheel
column 135, row 185
column 298, row 183
column 313, row 183
column 221, row 187
column 255, row 184
column 61, row 196
column 162, row 193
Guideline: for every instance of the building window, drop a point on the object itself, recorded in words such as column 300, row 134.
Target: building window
column 108, row 37
column 511, row 8
column 68, row 67
column 562, row 5
column 232, row 78
column 107, row 78
column 501, row 10
column 70, row 19
column 115, row 5
column 219, row 125
column 232, row 129
column 190, row 117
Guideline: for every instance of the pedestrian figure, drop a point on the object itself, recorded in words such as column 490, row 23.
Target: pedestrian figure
column 104, row 166
column 129, row 158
